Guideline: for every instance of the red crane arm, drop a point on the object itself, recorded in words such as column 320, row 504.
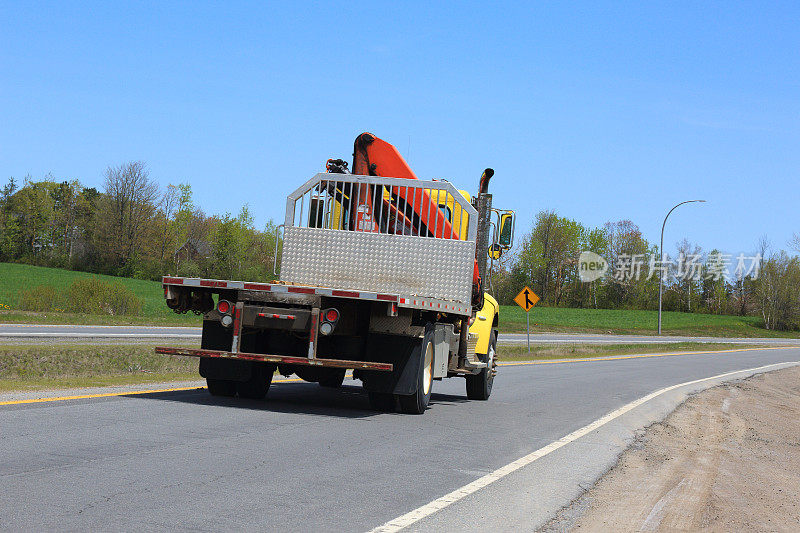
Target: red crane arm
column 375, row 157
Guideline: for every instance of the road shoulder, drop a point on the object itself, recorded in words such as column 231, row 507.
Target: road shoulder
column 727, row 459
column 9, row 398
column 529, row 497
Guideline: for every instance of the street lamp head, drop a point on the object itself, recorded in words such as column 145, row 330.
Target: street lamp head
column 661, row 248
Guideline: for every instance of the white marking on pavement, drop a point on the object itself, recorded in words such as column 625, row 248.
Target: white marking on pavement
column 624, row 340
column 726, row 405
column 95, row 326
column 656, row 515
column 438, row 504
column 102, row 335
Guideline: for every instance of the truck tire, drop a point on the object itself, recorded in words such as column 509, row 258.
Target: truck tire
column 221, row 387
column 257, row 386
column 333, row 379
column 479, row 386
column 415, row 404
column 381, row 401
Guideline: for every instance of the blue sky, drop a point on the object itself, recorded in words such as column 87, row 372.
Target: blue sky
column 598, row 111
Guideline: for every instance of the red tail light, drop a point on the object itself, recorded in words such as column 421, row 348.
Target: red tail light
column 331, row 315
column 224, row 306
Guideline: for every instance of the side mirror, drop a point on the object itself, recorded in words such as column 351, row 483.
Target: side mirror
column 506, row 239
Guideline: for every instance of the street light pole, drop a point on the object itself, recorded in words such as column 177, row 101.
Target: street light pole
column 661, row 249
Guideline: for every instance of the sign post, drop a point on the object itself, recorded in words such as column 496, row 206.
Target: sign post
column 526, row 299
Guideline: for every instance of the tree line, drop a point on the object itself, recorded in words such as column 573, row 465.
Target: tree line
column 765, row 283
column 132, row 228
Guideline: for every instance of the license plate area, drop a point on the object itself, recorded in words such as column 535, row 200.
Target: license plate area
column 262, row 317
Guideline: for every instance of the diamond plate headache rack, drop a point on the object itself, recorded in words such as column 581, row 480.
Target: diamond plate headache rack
column 366, row 261
column 413, row 238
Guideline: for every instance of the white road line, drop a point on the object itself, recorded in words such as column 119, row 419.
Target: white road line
column 591, row 340
column 623, row 340
column 95, row 326
column 103, row 335
column 438, row 504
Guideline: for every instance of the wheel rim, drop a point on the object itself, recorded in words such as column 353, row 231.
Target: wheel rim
column 427, row 375
column 490, row 363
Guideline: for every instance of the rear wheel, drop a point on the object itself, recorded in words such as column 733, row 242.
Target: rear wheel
column 416, row 403
column 257, row 386
column 221, row 387
column 479, row 386
column 333, row 379
column 381, row 401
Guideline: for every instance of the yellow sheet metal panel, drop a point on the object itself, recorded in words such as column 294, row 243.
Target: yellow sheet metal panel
column 452, row 210
column 482, row 327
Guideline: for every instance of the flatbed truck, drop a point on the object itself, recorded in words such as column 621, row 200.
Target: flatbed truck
column 380, row 273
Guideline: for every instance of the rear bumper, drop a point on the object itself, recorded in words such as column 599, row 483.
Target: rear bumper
column 281, row 359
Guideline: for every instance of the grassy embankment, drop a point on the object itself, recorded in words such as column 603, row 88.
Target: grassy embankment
column 636, row 322
column 31, row 367
column 546, row 352
column 543, row 319
column 13, row 277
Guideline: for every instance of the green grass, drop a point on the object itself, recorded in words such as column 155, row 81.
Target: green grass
column 13, row 277
column 557, row 319
column 27, row 317
column 13, row 385
column 512, row 318
column 36, row 367
column 30, row 368
column 577, row 351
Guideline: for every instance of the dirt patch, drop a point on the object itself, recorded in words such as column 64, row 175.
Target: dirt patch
column 728, row 459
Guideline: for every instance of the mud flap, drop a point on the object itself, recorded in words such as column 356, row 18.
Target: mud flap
column 227, row 369
column 443, row 340
column 405, row 353
column 217, row 337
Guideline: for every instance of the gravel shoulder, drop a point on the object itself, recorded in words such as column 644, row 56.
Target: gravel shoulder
column 727, row 459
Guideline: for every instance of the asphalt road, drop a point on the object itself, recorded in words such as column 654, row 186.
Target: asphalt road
column 589, row 338
column 68, row 333
column 11, row 333
column 315, row 459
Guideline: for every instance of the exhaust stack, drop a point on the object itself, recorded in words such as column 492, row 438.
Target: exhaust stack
column 484, row 206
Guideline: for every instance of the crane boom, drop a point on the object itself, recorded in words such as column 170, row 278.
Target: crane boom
column 418, row 212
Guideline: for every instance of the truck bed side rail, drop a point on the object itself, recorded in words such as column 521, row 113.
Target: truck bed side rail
column 175, row 283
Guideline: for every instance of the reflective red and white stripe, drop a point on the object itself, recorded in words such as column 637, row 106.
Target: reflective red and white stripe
column 435, row 305
column 276, row 315
column 237, row 326
column 412, row 302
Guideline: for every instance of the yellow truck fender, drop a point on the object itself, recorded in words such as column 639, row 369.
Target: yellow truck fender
column 485, row 320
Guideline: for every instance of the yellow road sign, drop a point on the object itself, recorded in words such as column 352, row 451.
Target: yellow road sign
column 526, row 299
